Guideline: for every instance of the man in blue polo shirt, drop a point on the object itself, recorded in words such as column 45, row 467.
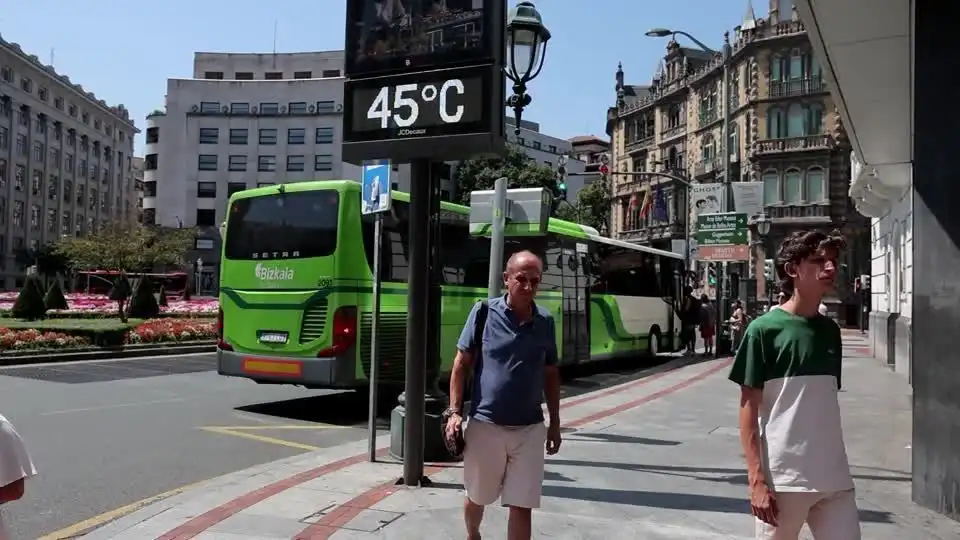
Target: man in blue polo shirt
column 505, row 434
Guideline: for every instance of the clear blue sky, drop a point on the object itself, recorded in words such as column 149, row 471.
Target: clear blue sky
column 124, row 51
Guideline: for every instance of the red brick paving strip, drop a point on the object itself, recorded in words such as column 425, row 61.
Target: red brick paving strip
column 208, row 519
column 332, row 522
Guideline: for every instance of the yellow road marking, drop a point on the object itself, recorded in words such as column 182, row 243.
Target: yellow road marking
column 261, row 438
column 90, row 523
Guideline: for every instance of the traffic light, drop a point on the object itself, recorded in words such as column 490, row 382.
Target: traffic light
column 711, row 274
column 769, row 270
column 562, row 181
column 857, row 285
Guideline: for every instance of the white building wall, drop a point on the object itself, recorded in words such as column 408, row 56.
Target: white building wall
column 891, row 282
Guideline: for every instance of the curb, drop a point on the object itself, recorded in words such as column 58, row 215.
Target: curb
column 129, row 351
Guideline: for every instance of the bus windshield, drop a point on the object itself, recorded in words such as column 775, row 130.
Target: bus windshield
column 299, row 225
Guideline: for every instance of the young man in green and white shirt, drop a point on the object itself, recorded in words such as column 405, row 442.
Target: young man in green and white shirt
column 788, row 368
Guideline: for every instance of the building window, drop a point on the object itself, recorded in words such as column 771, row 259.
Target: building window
column 302, row 74
column 207, row 162
column 325, row 106
column 209, row 135
column 213, row 75
column 775, row 124
column 234, row 187
column 796, row 120
column 268, row 136
column 265, row 184
column 792, row 187
column 153, row 135
column 297, row 107
column 273, row 75
column 327, row 73
column 815, row 185
column 207, row 190
column 323, row 162
column 296, row 163
column 209, row 107
column 536, row 145
column 239, row 108
column 239, row 136
column 771, row 188
column 267, row 163
column 243, row 76
column 296, row 136
column 206, row 217
column 237, row 163
column 324, row 135
column 269, row 108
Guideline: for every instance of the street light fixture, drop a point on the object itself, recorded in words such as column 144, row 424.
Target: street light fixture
column 763, row 225
column 526, row 49
column 658, row 32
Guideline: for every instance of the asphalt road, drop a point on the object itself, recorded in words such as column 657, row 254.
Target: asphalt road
column 107, row 434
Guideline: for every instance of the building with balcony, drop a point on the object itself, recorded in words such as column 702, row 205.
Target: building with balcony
column 785, row 132
column 65, row 159
column 136, row 213
column 590, row 149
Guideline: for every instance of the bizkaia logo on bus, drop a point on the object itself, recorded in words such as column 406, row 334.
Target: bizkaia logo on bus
column 273, row 273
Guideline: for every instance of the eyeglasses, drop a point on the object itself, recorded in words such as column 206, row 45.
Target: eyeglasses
column 522, row 279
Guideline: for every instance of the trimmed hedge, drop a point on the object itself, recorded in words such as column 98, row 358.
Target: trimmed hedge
column 29, row 304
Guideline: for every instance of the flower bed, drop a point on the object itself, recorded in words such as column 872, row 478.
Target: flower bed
column 21, row 340
column 74, row 334
column 166, row 330
column 98, row 306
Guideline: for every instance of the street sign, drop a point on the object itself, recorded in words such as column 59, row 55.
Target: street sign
column 375, row 195
column 723, row 237
column 526, row 212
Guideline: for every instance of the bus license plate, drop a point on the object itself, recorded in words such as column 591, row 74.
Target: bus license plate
column 270, row 336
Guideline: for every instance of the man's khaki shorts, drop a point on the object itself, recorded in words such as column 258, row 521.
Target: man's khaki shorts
column 504, row 462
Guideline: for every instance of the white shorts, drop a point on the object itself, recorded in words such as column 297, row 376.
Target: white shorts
column 830, row 516
column 504, row 462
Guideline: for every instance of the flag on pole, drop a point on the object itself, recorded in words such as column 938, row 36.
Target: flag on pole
column 660, row 210
column 647, row 202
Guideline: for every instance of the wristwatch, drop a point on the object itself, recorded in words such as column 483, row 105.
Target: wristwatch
column 450, row 411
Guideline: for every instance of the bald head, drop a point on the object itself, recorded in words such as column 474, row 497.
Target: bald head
column 523, row 260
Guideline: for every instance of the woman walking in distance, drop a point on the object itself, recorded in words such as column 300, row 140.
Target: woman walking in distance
column 788, row 369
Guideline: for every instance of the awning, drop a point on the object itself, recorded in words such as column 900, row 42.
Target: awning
column 865, row 49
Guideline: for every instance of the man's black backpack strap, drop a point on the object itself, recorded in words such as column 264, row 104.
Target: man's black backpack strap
column 479, row 324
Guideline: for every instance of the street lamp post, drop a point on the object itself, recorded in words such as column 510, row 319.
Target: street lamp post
column 526, row 50
column 762, row 225
column 727, row 203
column 199, row 277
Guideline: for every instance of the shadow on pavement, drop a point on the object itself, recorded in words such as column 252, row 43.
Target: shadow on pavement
column 677, row 501
column 614, row 438
column 348, row 408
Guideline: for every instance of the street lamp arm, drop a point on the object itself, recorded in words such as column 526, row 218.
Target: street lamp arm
column 673, row 177
column 695, row 40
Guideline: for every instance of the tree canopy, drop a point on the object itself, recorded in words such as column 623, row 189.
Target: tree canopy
column 523, row 172
column 126, row 247
column 591, row 207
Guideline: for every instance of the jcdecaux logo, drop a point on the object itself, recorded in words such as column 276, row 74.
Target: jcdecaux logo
column 273, row 273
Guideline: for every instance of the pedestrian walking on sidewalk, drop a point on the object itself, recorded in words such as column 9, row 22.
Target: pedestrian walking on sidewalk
column 15, row 467
column 788, row 368
column 510, row 345
column 708, row 324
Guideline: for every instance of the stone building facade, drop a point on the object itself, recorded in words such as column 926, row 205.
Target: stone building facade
column 784, row 132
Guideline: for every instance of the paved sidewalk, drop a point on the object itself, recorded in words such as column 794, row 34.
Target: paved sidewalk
column 656, row 458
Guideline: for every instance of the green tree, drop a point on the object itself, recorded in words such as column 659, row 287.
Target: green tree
column 143, row 305
column 55, row 298
column 594, row 204
column 520, row 169
column 126, row 247
column 120, row 293
column 29, row 304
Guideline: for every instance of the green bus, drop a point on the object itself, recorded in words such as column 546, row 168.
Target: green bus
column 296, row 287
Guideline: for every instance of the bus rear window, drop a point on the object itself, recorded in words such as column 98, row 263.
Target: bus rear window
column 286, row 225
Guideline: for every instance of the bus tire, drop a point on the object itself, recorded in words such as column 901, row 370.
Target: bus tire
column 654, row 342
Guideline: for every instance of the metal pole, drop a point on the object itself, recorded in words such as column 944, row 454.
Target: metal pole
column 374, row 337
column 727, row 192
column 417, row 298
column 495, row 277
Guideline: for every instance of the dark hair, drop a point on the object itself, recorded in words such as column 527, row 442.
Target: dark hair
column 800, row 245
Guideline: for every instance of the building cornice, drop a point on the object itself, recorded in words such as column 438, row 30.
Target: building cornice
column 119, row 112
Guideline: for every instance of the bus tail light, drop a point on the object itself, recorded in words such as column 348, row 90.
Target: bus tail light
column 221, row 343
column 344, row 332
